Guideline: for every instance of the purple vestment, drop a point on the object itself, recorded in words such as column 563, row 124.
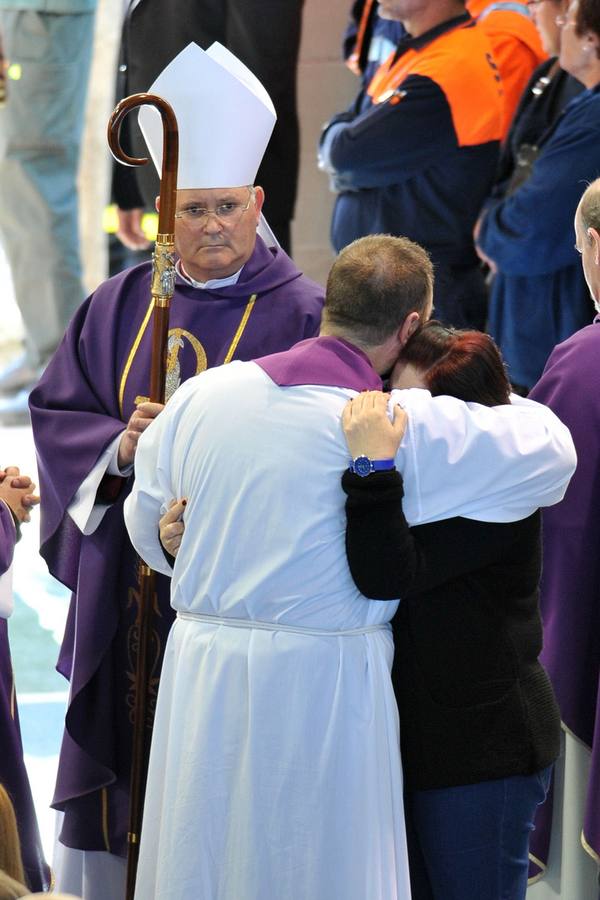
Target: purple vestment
column 80, row 405
column 13, row 775
column 324, row 360
column 8, row 538
column 570, row 588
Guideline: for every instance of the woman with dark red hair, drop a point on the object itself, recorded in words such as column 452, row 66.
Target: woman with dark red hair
column 480, row 727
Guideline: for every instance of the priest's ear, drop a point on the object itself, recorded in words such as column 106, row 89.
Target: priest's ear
column 408, row 327
column 594, row 237
column 259, row 199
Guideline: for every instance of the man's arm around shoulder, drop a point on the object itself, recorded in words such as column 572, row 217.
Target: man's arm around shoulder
column 495, row 464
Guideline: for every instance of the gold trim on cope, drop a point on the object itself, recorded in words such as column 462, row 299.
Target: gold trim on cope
column 540, row 875
column 132, row 838
column 588, row 848
column 241, row 327
column 584, row 843
column 138, row 339
column 132, row 353
column 145, row 570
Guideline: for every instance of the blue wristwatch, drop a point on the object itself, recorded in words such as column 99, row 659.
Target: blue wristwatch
column 363, row 466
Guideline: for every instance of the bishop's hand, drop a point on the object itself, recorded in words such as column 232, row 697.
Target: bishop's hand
column 143, row 415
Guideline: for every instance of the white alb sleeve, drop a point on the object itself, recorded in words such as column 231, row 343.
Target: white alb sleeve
column 152, row 490
column 7, row 603
column 84, row 509
column 493, row 464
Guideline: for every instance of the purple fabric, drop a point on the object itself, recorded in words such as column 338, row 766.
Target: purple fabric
column 322, row 360
column 76, row 413
column 8, row 538
column 570, row 588
column 13, row 775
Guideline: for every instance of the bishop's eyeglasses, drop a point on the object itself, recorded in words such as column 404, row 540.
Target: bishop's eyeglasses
column 228, row 213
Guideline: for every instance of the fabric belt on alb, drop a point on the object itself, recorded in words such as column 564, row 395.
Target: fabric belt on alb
column 276, row 626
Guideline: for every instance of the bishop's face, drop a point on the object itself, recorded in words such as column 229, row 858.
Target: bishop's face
column 213, row 245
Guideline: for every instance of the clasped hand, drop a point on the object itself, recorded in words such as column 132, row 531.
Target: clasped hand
column 17, row 491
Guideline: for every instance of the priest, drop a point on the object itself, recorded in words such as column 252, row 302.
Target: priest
column 570, row 587
column 16, row 501
column 236, row 297
column 275, row 764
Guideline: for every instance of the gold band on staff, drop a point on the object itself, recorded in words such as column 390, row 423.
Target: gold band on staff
column 163, row 270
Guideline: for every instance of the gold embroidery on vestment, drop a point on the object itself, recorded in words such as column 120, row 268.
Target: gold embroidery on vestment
column 241, row 328
column 132, row 353
column 176, row 343
column 588, row 848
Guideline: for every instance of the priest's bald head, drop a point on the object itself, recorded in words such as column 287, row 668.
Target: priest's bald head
column 587, row 238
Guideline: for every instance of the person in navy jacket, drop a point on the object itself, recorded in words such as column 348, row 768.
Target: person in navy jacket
column 416, row 154
column 539, row 295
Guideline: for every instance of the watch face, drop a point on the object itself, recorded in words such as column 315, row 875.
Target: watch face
column 362, row 465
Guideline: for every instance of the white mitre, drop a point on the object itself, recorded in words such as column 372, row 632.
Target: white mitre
column 224, row 114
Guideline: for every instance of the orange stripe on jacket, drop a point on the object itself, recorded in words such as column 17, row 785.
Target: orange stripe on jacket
column 353, row 61
column 460, row 62
column 516, row 45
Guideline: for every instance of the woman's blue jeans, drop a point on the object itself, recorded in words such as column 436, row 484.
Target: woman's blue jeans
column 472, row 842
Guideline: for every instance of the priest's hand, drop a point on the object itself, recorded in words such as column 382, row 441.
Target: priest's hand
column 12, row 472
column 171, row 527
column 368, row 429
column 139, row 421
column 17, row 492
column 12, row 475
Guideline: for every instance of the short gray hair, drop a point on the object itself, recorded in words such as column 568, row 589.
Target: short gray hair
column 589, row 206
column 374, row 284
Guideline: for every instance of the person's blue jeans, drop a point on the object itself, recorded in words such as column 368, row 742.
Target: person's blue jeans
column 472, row 842
column 40, row 134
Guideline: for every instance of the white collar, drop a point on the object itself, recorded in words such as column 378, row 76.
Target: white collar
column 212, row 283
